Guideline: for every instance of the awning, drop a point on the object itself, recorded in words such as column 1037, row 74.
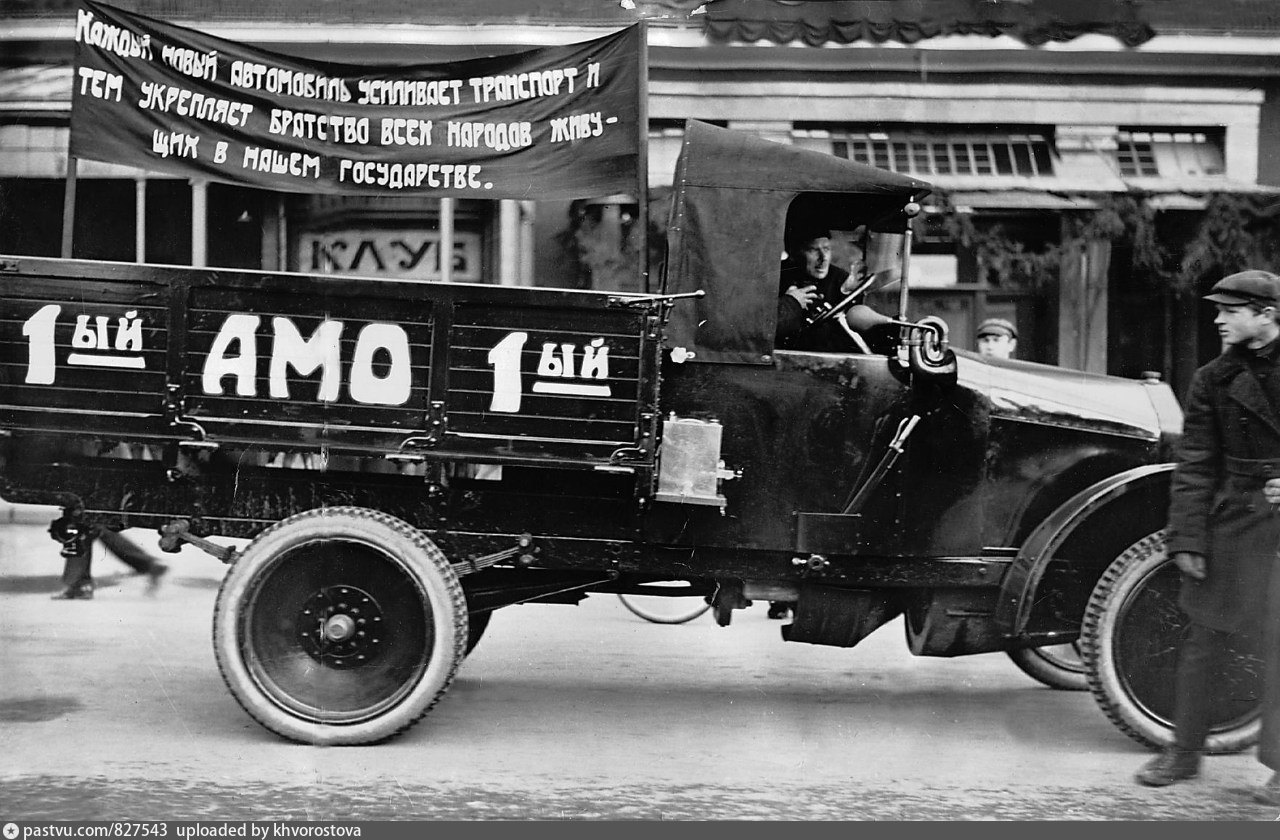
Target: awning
column 1177, row 201
column 1195, row 186
column 37, row 88
column 911, row 21
column 1019, row 200
column 439, row 12
column 1155, row 194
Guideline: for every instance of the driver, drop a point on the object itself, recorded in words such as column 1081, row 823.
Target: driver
column 808, row 284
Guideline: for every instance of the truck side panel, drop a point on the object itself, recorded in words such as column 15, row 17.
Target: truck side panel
column 85, row 356
column 564, row 399
column 369, row 377
column 247, row 377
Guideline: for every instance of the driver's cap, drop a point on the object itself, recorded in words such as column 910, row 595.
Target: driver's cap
column 997, row 326
column 802, row 233
column 1244, row 287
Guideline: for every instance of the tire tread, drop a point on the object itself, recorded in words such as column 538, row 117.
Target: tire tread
column 434, row 556
column 1093, row 635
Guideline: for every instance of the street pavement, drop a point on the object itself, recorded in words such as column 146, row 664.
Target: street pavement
column 114, row 709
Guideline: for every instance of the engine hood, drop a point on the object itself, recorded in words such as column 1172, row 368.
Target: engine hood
column 1045, row 394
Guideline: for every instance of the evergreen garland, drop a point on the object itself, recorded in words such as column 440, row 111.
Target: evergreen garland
column 1235, row 231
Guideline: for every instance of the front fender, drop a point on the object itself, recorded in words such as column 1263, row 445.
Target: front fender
column 1019, row 588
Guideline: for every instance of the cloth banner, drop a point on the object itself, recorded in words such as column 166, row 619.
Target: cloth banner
column 556, row 122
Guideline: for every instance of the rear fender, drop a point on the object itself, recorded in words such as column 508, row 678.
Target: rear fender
column 1124, row 492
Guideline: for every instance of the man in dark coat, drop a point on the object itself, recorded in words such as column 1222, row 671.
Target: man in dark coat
column 1222, row 534
column 807, row 284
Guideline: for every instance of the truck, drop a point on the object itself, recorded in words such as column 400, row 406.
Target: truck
column 404, row 458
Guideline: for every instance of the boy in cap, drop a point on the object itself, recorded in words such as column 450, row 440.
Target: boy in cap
column 997, row 338
column 1221, row 538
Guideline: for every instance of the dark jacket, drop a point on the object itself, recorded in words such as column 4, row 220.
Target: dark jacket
column 793, row 332
column 1230, row 433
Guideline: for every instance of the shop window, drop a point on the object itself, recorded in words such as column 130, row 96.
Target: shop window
column 1150, row 153
column 237, row 224
column 105, row 220
column 1135, row 156
column 168, row 222
column 925, row 152
column 31, row 216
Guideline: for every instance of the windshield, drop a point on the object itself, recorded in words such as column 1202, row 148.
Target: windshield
column 887, row 253
column 884, row 260
column 874, row 262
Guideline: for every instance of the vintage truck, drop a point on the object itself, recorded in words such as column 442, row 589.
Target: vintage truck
column 408, row 457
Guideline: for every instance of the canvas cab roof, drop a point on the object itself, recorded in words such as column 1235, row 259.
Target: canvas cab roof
column 733, row 194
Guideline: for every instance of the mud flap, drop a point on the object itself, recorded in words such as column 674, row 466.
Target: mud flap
column 952, row 622
column 826, row 615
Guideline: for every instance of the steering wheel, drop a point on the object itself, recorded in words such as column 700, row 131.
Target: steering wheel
column 840, row 306
column 834, row 313
column 846, row 301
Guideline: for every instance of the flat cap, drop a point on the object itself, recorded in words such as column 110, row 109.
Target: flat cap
column 997, row 326
column 1244, row 287
column 804, row 232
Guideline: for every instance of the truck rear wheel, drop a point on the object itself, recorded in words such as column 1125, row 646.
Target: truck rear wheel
column 1132, row 632
column 339, row 626
column 1057, row 666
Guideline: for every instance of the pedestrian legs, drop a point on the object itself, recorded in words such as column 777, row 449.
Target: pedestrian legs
column 77, row 545
column 1203, row 650
column 1195, row 699
column 77, row 540
column 134, row 556
column 1203, row 683
column 1269, row 741
column 128, row 551
column 77, row 582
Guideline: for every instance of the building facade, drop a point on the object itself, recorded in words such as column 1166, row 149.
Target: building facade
column 1096, row 163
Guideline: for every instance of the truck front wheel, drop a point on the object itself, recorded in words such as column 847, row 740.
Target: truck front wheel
column 1057, row 666
column 1132, row 632
column 339, row 625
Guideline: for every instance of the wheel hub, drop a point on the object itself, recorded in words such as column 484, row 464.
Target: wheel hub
column 341, row 626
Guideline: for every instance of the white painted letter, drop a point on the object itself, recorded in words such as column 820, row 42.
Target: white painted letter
column 321, row 350
column 548, row 364
column 505, row 358
column 244, row 367
column 392, row 389
column 595, row 360
column 84, row 338
column 129, row 332
column 41, row 361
